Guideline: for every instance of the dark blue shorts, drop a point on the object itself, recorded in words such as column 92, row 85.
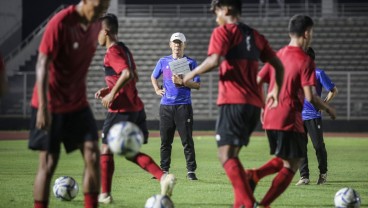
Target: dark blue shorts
column 287, row 144
column 235, row 124
column 138, row 118
column 71, row 129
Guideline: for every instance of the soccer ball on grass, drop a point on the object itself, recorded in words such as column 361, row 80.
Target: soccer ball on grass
column 125, row 138
column 159, row 201
column 347, row 198
column 65, row 188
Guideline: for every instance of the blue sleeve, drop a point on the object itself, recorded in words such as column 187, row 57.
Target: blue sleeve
column 158, row 70
column 326, row 81
column 193, row 66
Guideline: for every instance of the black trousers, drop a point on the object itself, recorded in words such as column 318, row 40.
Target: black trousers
column 178, row 117
column 314, row 128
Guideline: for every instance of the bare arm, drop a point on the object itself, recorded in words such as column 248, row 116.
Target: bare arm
column 272, row 98
column 178, row 80
column 207, row 65
column 43, row 114
column 317, row 102
column 158, row 90
column 331, row 94
column 125, row 77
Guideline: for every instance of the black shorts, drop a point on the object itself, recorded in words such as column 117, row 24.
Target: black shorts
column 138, row 118
column 71, row 129
column 235, row 124
column 287, row 144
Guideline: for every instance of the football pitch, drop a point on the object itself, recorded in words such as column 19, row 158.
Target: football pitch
column 347, row 162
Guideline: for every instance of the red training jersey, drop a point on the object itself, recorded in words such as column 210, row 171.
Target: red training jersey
column 299, row 72
column 242, row 48
column 117, row 59
column 71, row 49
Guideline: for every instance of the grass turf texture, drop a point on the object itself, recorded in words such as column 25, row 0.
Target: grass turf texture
column 347, row 157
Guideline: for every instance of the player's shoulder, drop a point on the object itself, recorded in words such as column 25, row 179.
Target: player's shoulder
column 190, row 59
column 63, row 15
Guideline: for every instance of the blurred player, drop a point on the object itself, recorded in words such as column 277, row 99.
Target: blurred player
column 176, row 106
column 239, row 98
column 312, row 119
column 121, row 99
column 283, row 124
column 60, row 111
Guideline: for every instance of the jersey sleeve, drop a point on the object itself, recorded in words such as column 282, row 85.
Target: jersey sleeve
column 50, row 41
column 326, row 81
column 117, row 60
column 264, row 73
column 219, row 42
column 157, row 71
column 308, row 74
column 267, row 52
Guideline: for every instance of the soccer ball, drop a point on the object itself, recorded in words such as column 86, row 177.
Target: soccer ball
column 125, row 138
column 159, row 201
column 347, row 198
column 65, row 188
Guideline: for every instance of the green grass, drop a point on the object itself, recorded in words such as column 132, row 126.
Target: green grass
column 347, row 157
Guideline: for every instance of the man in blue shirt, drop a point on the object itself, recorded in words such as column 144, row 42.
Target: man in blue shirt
column 176, row 105
column 313, row 126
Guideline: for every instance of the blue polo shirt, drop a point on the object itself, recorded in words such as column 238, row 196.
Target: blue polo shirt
column 173, row 95
column 309, row 111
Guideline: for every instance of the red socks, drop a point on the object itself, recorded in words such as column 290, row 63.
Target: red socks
column 279, row 185
column 146, row 162
column 90, row 200
column 41, row 204
column 242, row 191
column 107, row 170
column 272, row 166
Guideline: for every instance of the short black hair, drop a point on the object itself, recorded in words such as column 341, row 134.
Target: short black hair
column 298, row 24
column 236, row 5
column 311, row 53
column 111, row 22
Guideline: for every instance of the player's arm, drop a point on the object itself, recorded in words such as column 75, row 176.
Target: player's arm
column 272, row 98
column 192, row 85
column 331, row 94
column 43, row 115
column 155, row 85
column 207, row 65
column 125, row 77
column 317, row 102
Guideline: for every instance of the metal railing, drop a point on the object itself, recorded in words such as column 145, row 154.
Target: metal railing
column 351, row 103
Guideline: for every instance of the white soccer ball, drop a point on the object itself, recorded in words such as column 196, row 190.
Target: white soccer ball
column 159, row 201
column 347, row 198
column 65, row 188
column 125, row 138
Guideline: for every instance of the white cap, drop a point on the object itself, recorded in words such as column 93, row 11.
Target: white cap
column 178, row 36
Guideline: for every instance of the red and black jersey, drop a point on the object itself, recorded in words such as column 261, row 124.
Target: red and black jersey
column 119, row 58
column 242, row 47
column 299, row 72
column 71, row 49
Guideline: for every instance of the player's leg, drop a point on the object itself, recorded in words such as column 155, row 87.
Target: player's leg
column 167, row 131
column 46, row 168
column 291, row 147
column 316, row 134
column 49, row 146
column 92, row 177
column 304, row 167
column 184, row 122
column 80, row 132
column 229, row 142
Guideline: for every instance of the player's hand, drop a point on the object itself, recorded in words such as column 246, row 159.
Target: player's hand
column 107, row 100
column 101, row 93
column 331, row 112
column 160, row 92
column 262, row 116
column 43, row 120
column 272, row 99
column 189, row 77
column 177, row 79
